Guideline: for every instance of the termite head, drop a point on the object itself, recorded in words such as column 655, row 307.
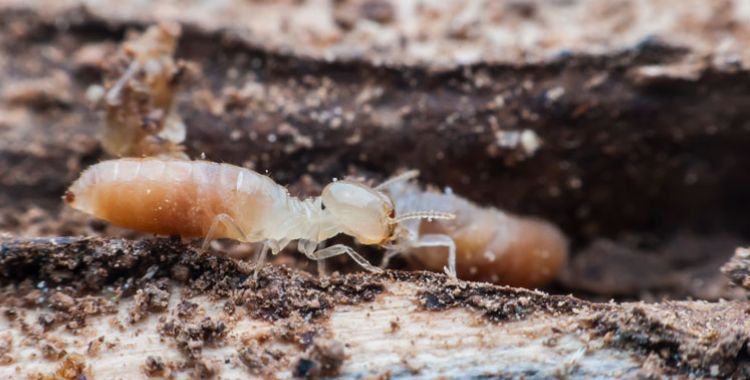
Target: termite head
column 368, row 214
column 360, row 211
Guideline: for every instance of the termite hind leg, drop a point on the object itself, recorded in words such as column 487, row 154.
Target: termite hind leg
column 434, row 240
column 227, row 221
column 340, row 249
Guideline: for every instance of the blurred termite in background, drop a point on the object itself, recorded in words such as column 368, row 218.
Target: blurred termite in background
column 491, row 245
column 139, row 96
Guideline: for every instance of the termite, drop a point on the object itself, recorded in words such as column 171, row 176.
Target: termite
column 140, row 101
column 212, row 200
column 490, row 244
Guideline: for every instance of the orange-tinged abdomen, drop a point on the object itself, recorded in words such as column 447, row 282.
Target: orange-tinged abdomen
column 170, row 197
column 497, row 247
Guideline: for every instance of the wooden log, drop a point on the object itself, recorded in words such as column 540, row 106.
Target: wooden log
column 113, row 308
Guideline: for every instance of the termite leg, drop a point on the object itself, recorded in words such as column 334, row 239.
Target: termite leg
column 389, row 254
column 340, row 249
column 433, row 240
column 308, row 247
column 260, row 258
column 274, row 246
column 227, row 221
column 405, row 176
column 322, row 272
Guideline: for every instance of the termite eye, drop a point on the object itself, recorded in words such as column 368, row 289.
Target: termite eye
column 322, row 206
column 392, row 214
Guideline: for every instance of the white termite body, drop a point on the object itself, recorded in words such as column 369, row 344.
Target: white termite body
column 212, row 200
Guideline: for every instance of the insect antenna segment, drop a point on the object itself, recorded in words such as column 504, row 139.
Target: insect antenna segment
column 431, row 214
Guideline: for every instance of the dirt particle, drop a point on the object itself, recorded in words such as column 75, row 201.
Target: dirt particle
column 149, row 299
column 395, row 325
column 738, row 268
column 431, row 301
column 52, row 352
column 61, row 301
column 7, row 359
column 6, row 342
column 6, row 347
column 324, row 358
column 186, row 309
column 258, row 360
column 205, row 370
column 46, row 320
column 192, row 337
column 73, row 367
column 304, row 368
column 11, row 314
column 154, row 366
column 229, row 308
column 95, row 346
column 180, row 273
column 33, row 298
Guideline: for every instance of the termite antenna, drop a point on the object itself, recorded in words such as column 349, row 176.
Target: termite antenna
column 405, row 176
column 429, row 215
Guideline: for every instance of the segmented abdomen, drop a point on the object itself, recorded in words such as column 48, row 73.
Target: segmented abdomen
column 491, row 245
column 174, row 197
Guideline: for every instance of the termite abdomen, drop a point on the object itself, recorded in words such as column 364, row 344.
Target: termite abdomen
column 169, row 197
column 500, row 248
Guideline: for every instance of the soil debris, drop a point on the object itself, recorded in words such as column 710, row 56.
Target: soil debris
column 192, row 337
column 720, row 350
column 324, row 358
column 150, row 298
column 72, row 367
column 154, row 366
column 497, row 303
column 738, row 268
column 261, row 361
column 6, row 348
column 284, row 293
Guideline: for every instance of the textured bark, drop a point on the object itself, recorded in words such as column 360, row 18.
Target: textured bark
column 107, row 308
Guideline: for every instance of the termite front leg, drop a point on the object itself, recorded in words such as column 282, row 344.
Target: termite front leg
column 434, row 240
column 228, row 222
column 260, row 258
column 340, row 249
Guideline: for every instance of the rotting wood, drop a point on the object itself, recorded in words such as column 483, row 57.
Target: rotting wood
column 74, row 300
